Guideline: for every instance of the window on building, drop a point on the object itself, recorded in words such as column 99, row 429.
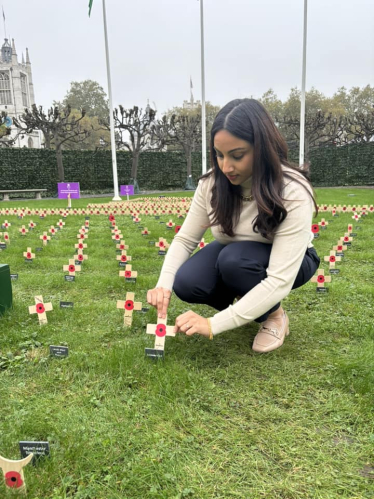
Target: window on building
column 30, row 143
column 5, row 94
column 24, row 90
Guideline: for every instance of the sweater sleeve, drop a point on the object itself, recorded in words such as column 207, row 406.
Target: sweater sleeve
column 188, row 237
column 288, row 249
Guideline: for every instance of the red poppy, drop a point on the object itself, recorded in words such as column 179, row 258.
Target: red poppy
column 346, row 239
column 321, row 278
column 82, row 236
column 332, row 259
column 71, row 268
column 315, row 228
column 127, row 273
column 160, row 330
column 161, row 244
column 80, row 245
column 177, row 228
column 23, row 231
column 325, row 208
column 80, row 258
column 13, row 479
column 354, row 208
column 40, row 308
column 371, row 208
column 117, row 236
column 129, row 305
column 201, row 245
column 340, row 248
column 344, row 208
column 323, row 223
column 111, row 218
column 123, row 258
column 28, row 255
column 44, row 238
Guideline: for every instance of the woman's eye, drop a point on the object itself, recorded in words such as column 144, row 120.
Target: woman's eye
column 238, row 157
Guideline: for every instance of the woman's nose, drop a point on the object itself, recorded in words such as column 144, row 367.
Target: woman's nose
column 227, row 165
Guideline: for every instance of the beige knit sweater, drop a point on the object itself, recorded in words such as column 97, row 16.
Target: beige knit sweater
column 290, row 242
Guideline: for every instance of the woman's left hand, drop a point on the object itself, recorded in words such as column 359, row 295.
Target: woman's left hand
column 191, row 323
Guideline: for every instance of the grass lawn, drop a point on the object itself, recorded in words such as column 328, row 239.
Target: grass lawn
column 214, row 419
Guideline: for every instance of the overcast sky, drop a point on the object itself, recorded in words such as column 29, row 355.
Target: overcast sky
column 250, row 46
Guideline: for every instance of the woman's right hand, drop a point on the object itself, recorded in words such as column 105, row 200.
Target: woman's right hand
column 160, row 299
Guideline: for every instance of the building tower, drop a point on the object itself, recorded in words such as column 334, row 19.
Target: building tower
column 17, row 90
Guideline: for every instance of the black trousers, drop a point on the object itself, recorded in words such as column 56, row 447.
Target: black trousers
column 218, row 273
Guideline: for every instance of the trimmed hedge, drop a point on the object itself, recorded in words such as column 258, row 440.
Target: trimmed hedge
column 37, row 168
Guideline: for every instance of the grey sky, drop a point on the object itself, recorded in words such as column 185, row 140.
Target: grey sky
column 250, row 46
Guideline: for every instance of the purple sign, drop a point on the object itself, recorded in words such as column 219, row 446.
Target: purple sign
column 66, row 188
column 127, row 190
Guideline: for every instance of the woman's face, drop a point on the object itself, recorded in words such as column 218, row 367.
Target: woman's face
column 234, row 157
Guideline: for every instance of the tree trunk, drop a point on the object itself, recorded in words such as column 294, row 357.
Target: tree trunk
column 134, row 172
column 60, row 166
column 189, row 182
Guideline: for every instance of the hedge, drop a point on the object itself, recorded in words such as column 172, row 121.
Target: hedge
column 37, row 168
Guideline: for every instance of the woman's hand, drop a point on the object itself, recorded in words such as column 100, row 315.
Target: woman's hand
column 160, row 299
column 191, row 323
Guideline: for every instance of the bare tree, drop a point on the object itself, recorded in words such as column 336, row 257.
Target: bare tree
column 59, row 128
column 360, row 127
column 133, row 127
column 184, row 130
column 320, row 129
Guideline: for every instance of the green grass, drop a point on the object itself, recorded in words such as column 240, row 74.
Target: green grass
column 214, row 420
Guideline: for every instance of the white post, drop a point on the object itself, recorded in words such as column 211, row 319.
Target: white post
column 302, row 109
column 203, row 120
column 112, row 139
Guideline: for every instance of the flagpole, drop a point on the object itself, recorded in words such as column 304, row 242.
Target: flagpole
column 203, row 121
column 113, row 142
column 303, row 79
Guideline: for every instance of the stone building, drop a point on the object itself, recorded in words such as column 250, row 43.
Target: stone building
column 17, row 90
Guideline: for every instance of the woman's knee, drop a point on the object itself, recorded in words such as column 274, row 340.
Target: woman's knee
column 236, row 258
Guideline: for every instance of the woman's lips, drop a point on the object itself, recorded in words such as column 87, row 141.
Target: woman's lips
column 232, row 177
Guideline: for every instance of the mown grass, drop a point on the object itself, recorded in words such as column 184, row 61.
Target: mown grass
column 214, row 420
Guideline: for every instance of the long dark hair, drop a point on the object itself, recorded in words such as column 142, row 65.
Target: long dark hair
column 248, row 120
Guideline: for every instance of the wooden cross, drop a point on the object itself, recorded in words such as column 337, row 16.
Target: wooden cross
column 6, row 237
column 315, row 230
column 40, row 308
column 129, row 305
column 350, row 229
column 340, row 247
column 332, row 258
column 32, row 225
column 60, row 223
column 82, row 236
column 323, row 223
column 170, row 224
column 6, row 224
column 128, row 272
column 71, row 268
column 23, row 230
column 122, row 246
column 160, row 330
column 123, row 257
column 45, row 238
column 52, row 231
column 117, row 236
column 145, row 232
column 346, row 238
column 356, row 216
column 13, row 472
column 80, row 256
column 162, row 244
column 202, row 244
column 80, row 246
column 136, row 220
column 320, row 279
column 28, row 254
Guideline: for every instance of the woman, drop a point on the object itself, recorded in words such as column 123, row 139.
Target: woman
column 260, row 209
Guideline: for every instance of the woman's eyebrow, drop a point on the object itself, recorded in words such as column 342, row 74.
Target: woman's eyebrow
column 232, row 150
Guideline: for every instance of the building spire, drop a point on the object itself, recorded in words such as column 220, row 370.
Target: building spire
column 27, row 56
column 23, row 59
column 13, row 47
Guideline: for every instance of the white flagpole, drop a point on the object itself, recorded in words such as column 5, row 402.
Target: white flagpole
column 302, row 109
column 113, row 142
column 203, row 121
